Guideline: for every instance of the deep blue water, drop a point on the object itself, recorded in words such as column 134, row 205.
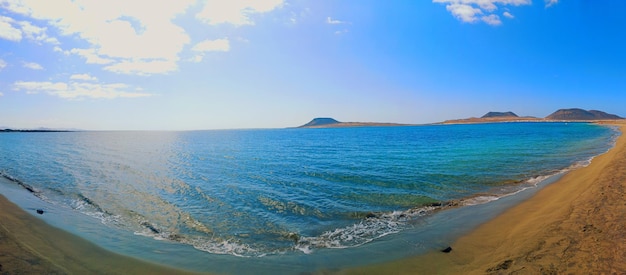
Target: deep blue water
column 285, row 192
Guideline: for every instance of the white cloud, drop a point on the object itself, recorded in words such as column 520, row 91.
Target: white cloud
column 7, row 31
column 117, row 31
column 60, row 50
column 36, row 33
column 127, row 37
column 222, row 45
column 465, row 13
column 331, row 21
column 508, row 15
column 78, row 90
column 550, row 3
column 235, row 12
column 32, row 66
column 14, row 30
column 492, row 19
column 85, row 77
column 470, row 10
column 3, row 64
column 1, row 94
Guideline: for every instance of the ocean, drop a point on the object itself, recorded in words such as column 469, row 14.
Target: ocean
column 286, row 200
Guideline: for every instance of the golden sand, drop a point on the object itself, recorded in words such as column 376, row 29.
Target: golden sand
column 576, row 225
column 30, row 246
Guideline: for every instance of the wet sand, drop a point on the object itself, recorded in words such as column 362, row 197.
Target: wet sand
column 576, row 225
column 30, row 246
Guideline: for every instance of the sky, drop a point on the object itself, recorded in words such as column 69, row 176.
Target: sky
column 193, row 64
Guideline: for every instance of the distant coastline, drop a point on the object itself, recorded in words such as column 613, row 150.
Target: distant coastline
column 32, row 131
column 561, row 115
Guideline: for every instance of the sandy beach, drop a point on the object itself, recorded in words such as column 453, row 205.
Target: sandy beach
column 576, row 225
column 30, row 246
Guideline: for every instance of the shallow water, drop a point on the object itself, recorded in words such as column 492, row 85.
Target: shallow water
column 287, row 199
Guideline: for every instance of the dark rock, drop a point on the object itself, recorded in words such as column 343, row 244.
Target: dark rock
column 502, row 266
column 151, row 227
column 370, row 215
column 40, row 211
column 294, row 237
column 175, row 237
column 447, row 250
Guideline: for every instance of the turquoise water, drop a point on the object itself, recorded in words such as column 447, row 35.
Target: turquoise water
column 290, row 198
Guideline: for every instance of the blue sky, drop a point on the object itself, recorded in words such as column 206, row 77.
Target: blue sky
column 187, row 64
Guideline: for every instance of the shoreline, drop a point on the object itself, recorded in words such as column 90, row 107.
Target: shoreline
column 574, row 225
column 29, row 245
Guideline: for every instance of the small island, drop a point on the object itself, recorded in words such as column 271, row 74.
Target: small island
column 326, row 122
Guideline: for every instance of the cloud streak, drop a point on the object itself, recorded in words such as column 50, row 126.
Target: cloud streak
column 331, row 21
column 85, row 77
column 78, row 90
column 550, row 3
column 32, row 66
